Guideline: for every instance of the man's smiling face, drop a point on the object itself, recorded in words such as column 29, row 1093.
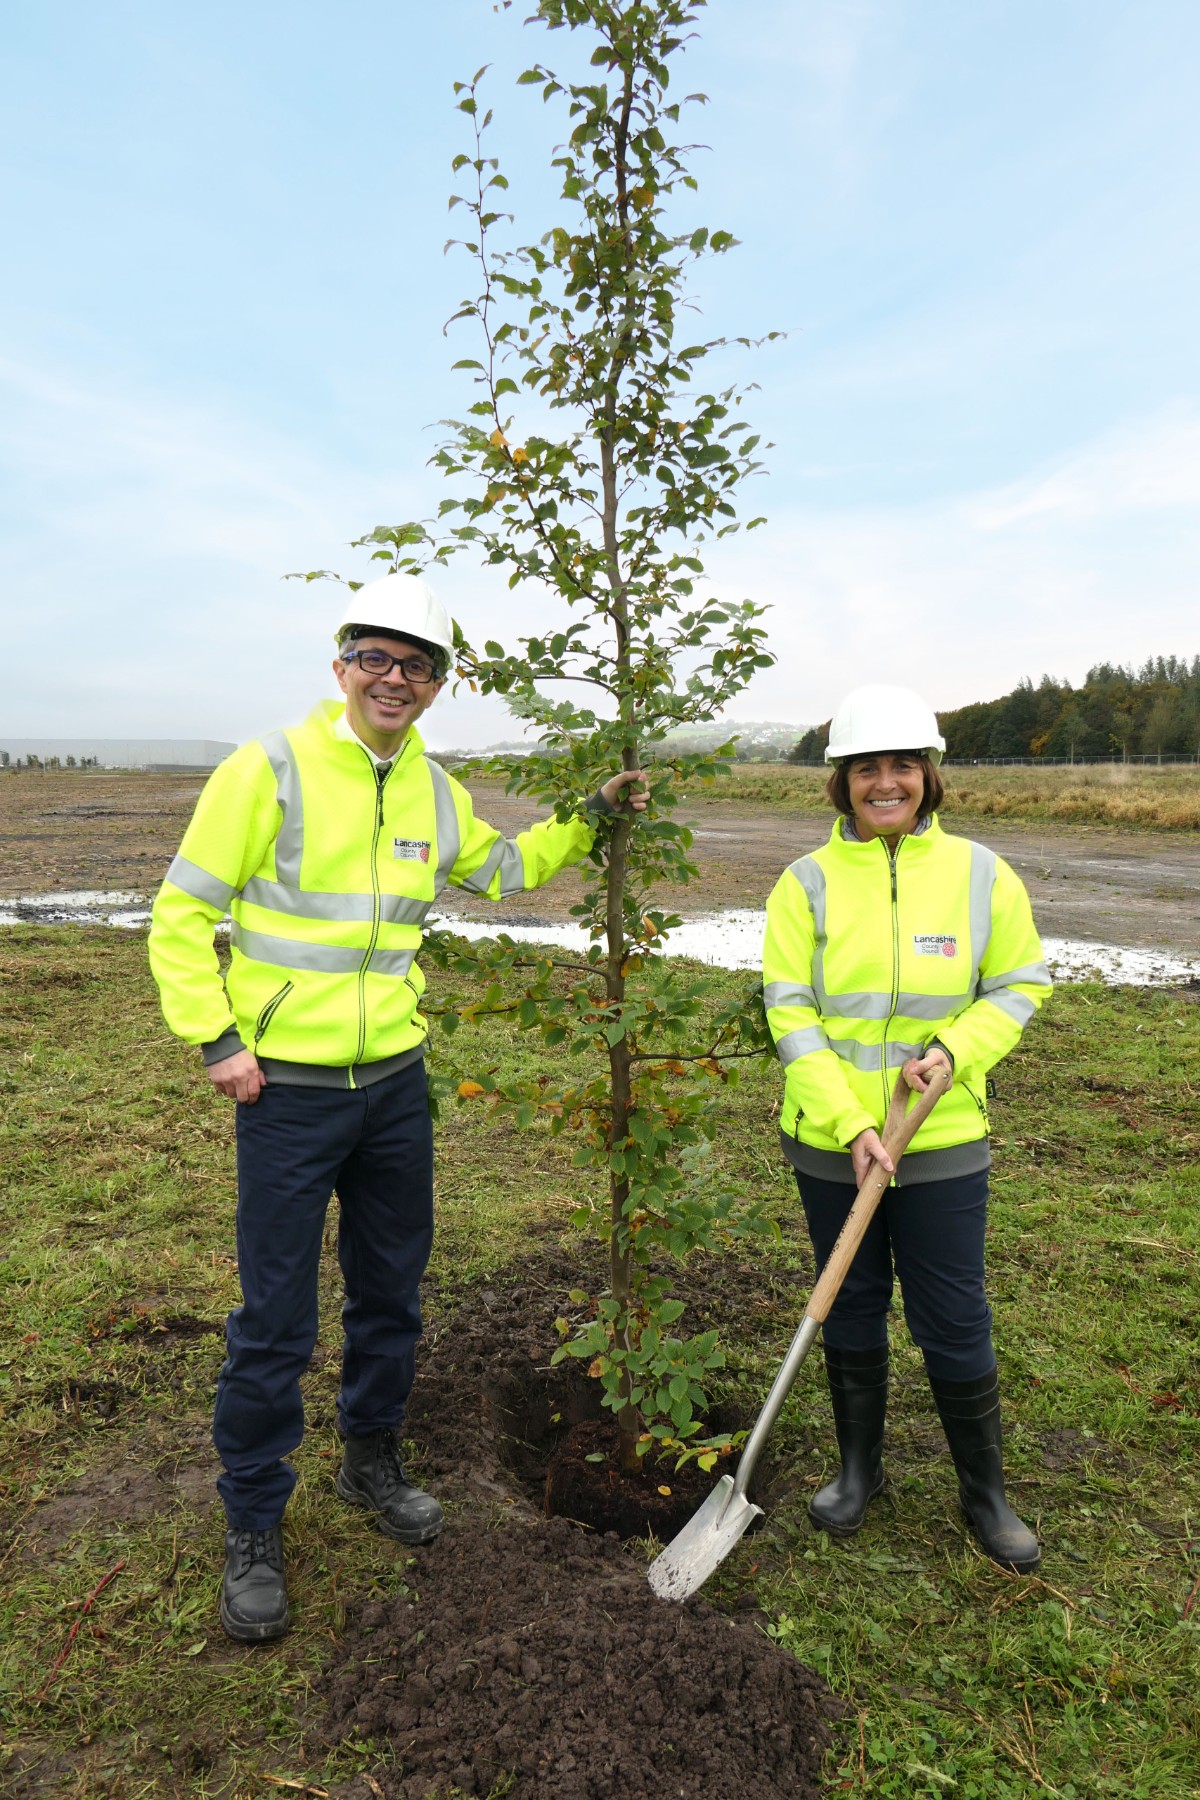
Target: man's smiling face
column 380, row 708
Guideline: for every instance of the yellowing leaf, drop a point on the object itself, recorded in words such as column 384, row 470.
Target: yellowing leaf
column 596, row 1369
column 497, row 438
column 470, row 1090
column 520, row 456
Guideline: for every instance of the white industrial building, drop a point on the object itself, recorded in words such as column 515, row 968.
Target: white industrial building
column 120, row 753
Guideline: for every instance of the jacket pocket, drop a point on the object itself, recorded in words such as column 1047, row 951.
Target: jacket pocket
column 981, row 1103
column 269, row 1010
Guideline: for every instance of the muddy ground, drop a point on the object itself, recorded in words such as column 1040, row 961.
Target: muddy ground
column 520, row 1653
column 118, row 831
column 535, row 1647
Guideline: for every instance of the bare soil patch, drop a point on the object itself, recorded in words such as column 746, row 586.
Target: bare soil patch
column 1140, row 889
column 531, row 1648
column 70, row 829
column 536, row 1652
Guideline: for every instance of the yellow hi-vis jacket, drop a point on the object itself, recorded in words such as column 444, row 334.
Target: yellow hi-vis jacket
column 328, row 865
column 868, row 959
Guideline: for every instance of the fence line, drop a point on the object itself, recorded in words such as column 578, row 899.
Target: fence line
column 1172, row 757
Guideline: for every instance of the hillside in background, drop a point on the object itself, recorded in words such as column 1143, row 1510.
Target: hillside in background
column 757, row 740
column 1151, row 711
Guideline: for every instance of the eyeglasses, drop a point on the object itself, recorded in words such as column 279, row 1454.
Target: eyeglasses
column 417, row 669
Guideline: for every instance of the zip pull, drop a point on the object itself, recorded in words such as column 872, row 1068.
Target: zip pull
column 382, row 771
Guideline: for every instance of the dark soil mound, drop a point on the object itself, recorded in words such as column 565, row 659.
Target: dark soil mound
column 538, row 1650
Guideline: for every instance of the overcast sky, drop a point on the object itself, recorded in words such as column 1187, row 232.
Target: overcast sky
column 221, row 348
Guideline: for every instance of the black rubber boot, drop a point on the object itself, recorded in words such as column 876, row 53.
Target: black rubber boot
column 372, row 1475
column 254, row 1602
column 858, row 1385
column 970, row 1414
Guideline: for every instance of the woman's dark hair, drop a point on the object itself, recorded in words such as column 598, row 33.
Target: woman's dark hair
column 837, row 788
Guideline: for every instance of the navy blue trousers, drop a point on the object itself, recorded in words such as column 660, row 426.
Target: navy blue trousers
column 932, row 1235
column 296, row 1146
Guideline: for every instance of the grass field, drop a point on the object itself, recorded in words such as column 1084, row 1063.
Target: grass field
column 1142, row 796
column 118, row 1261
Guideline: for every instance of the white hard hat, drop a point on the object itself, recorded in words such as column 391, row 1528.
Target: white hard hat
column 401, row 606
column 877, row 718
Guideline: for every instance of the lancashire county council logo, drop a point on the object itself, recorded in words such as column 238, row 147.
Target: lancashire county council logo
column 934, row 943
column 410, row 850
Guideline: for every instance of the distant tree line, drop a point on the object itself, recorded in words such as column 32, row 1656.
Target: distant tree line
column 1118, row 711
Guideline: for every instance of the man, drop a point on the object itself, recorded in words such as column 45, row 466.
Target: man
column 329, row 843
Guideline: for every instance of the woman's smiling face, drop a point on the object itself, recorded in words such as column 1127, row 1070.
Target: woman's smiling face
column 886, row 792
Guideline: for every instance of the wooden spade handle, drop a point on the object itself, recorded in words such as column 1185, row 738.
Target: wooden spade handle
column 899, row 1128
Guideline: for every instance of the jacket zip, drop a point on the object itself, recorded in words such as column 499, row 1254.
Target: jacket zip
column 270, row 1009
column 883, row 1074
column 381, row 776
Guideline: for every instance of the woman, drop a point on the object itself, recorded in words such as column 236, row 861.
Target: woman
column 893, row 948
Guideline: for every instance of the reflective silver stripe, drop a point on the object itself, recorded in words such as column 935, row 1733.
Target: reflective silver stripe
column 788, row 993
column 197, row 882
column 324, row 959
column 512, row 868
column 394, row 909
column 299, row 903
column 869, row 1058
column 1037, row 973
column 480, row 880
column 1018, row 1006
column 289, row 842
column 931, row 1006
column 983, row 879
column 811, row 877
column 391, row 962
column 293, row 953
column 449, row 838
column 801, row 1043
column 908, row 1006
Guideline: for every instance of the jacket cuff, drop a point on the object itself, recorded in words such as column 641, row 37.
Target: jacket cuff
column 596, row 803
column 937, row 1044
column 228, row 1044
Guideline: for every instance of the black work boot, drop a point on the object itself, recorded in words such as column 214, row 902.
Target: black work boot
column 372, row 1475
column 254, row 1602
column 858, row 1385
column 970, row 1414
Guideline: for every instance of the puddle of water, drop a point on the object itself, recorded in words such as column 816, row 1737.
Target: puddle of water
column 78, row 906
column 729, row 940
column 1071, row 959
column 733, row 940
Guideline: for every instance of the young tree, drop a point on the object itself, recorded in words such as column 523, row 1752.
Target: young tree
column 601, row 494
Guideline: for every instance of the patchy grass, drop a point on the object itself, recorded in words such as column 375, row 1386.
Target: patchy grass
column 118, row 1269
column 1139, row 796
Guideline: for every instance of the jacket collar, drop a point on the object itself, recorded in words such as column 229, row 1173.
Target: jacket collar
column 328, row 720
column 845, row 835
